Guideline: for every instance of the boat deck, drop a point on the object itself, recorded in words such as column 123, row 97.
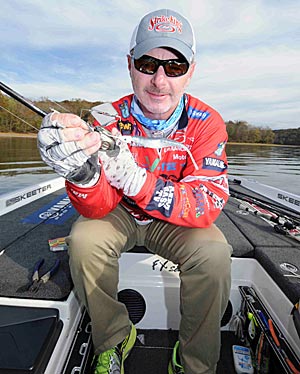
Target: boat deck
column 154, row 349
column 24, row 239
column 25, row 233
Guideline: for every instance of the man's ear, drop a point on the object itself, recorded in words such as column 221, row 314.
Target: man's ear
column 190, row 73
column 192, row 68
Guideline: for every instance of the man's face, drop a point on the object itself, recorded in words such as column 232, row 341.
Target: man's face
column 158, row 94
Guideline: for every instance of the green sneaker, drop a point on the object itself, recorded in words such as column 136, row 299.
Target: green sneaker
column 174, row 364
column 107, row 362
column 112, row 361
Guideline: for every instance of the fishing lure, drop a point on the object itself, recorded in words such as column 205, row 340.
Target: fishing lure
column 108, row 140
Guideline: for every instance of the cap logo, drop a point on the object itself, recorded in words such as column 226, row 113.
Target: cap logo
column 165, row 24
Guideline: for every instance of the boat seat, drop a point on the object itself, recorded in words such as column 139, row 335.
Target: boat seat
column 241, row 246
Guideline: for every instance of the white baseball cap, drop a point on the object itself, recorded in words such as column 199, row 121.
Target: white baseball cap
column 163, row 28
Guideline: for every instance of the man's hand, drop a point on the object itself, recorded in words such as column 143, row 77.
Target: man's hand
column 120, row 168
column 68, row 146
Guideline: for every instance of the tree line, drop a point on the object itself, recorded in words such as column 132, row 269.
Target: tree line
column 243, row 132
column 15, row 117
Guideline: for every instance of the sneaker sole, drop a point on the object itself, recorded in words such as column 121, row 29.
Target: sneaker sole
column 170, row 368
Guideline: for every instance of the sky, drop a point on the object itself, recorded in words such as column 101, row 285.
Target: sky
column 248, row 52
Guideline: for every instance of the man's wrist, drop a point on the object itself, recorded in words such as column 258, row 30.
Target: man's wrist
column 91, row 183
column 88, row 174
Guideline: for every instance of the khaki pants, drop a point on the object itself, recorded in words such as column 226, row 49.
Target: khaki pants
column 204, row 259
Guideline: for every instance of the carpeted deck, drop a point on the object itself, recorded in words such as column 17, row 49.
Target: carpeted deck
column 25, row 233
column 153, row 350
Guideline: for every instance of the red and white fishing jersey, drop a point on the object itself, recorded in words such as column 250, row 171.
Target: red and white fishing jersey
column 175, row 190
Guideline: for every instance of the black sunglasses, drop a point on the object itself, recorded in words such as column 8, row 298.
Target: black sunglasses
column 173, row 67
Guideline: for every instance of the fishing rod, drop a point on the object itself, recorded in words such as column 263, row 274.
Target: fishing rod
column 283, row 223
column 266, row 205
column 108, row 141
column 258, row 211
column 29, row 104
column 280, row 224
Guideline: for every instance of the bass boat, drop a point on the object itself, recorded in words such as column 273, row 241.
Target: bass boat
column 44, row 329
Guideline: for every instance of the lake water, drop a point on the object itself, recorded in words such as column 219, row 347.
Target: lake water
column 278, row 166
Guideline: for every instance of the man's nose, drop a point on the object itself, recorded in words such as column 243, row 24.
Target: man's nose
column 159, row 77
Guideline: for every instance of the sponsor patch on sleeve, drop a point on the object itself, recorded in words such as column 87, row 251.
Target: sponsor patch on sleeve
column 220, row 149
column 163, row 198
column 125, row 127
column 214, row 164
column 198, row 114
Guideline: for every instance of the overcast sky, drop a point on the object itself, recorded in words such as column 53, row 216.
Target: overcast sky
column 248, row 52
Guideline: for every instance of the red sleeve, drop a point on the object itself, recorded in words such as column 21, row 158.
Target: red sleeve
column 96, row 201
column 200, row 195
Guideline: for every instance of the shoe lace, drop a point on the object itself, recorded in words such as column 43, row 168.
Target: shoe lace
column 108, row 362
column 176, row 359
column 124, row 343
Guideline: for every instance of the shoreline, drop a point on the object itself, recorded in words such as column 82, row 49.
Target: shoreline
column 32, row 135
column 17, row 135
column 264, row 144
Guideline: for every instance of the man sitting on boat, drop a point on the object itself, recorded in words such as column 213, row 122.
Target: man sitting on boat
column 163, row 191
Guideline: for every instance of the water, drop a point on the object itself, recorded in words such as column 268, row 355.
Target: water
column 278, row 166
column 21, row 164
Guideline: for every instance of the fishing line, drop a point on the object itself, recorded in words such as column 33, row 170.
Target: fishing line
column 10, row 92
column 141, row 141
column 19, row 118
column 59, row 105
